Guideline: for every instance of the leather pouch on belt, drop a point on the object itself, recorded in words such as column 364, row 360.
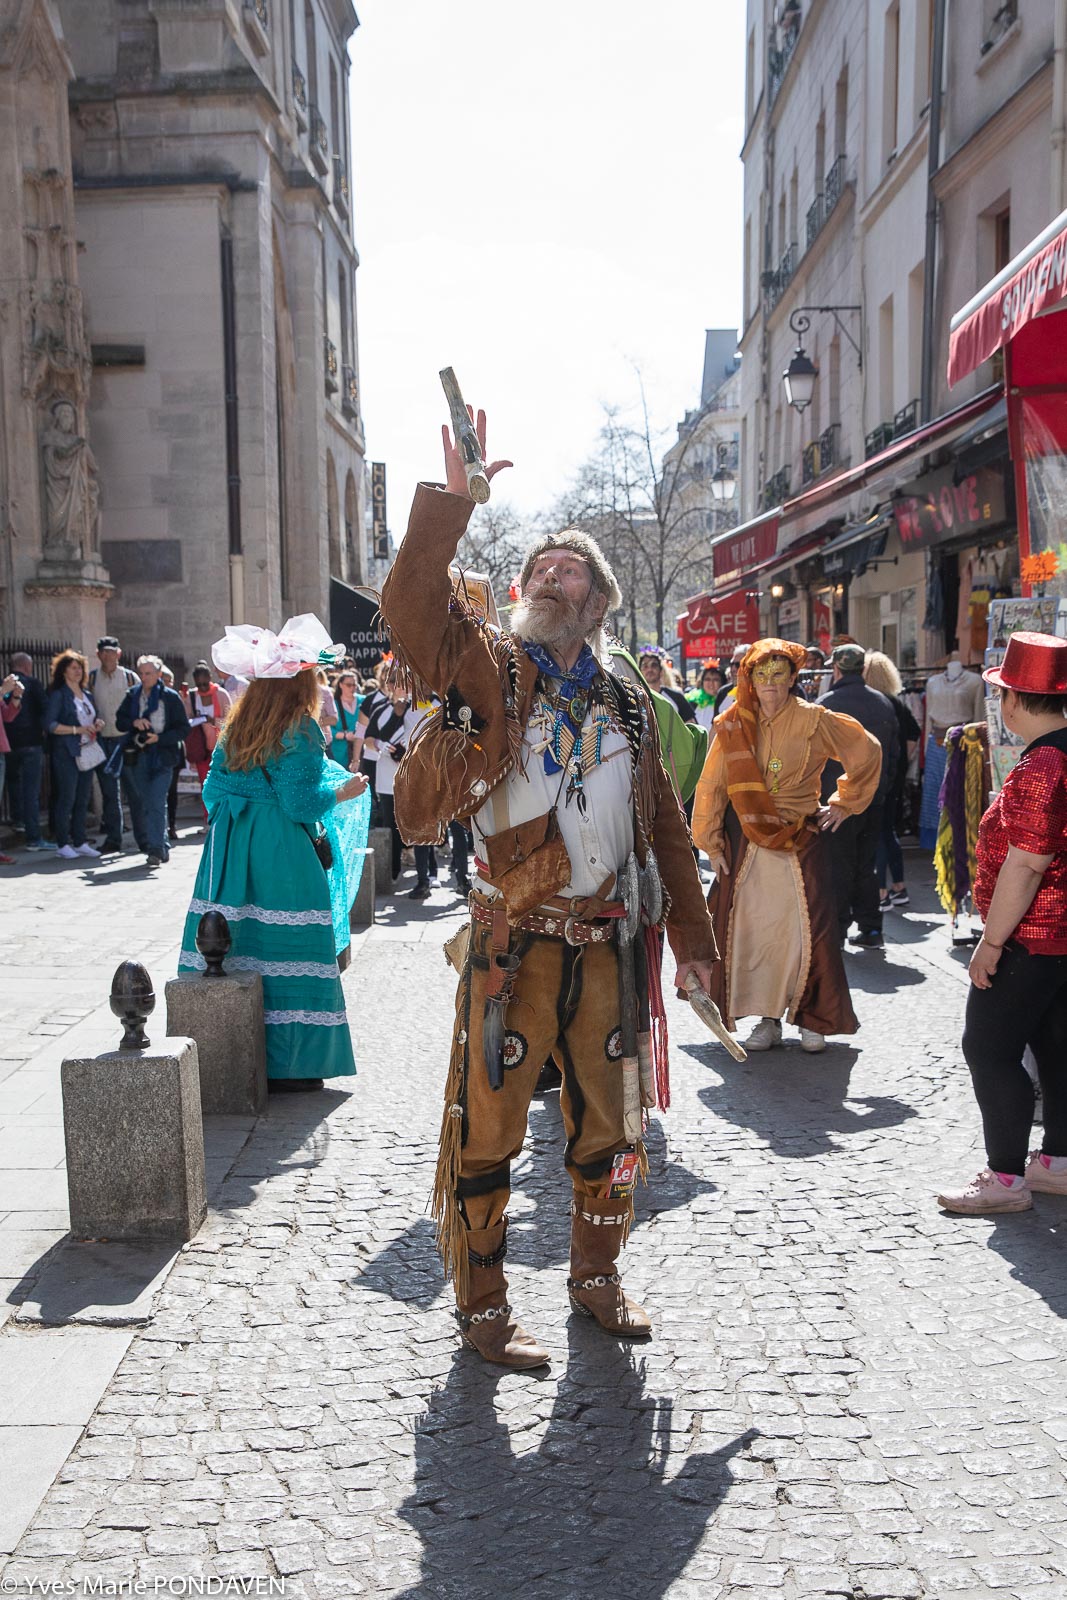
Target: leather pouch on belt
column 528, row 864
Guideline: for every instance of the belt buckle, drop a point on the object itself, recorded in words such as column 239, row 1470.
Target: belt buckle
column 568, row 933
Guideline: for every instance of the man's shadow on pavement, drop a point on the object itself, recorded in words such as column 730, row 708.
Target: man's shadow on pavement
column 590, row 1512
column 408, row 1269
column 1035, row 1243
column 797, row 1103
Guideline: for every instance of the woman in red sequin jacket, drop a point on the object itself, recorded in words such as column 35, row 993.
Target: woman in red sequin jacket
column 1018, row 994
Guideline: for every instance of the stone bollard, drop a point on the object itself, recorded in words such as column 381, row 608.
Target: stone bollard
column 381, row 842
column 133, row 1129
column 223, row 1012
column 362, row 912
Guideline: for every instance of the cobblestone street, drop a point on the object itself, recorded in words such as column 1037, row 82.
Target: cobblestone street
column 847, row 1393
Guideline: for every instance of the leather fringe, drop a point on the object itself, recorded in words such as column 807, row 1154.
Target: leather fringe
column 450, row 1229
column 642, row 1171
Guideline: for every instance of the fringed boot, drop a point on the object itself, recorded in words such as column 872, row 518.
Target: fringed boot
column 598, row 1229
column 483, row 1313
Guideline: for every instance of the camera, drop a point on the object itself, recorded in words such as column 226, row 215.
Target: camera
column 140, row 739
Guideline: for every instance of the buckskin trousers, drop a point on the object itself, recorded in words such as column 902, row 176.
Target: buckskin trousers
column 565, row 1000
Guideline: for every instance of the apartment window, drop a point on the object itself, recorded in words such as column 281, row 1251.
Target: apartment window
column 820, row 151
column 886, row 389
column 793, row 186
column 834, row 384
column 750, row 79
column 924, row 53
column 916, row 280
column 311, row 53
column 342, row 301
column 1001, row 239
column 747, row 287
column 335, row 119
column 891, row 82
column 841, row 115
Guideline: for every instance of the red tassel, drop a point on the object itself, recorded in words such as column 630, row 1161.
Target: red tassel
column 658, row 1013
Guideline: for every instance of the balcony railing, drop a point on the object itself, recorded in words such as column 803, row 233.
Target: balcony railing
column 815, row 219
column 821, row 454
column 1002, row 21
column 349, row 392
column 320, row 141
column 775, row 490
column 833, row 187
column 906, row 419
column 878, row 439
column 330, row 358
column 257, row 21
column 340, row 185
column 780, row 55
column 775, row 283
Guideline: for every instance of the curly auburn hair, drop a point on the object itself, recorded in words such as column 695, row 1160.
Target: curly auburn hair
column 269, row 709
column 61, row 662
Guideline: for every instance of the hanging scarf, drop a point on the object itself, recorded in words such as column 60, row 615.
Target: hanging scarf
column 573, row 700
column 960, row 799
column 737, row 729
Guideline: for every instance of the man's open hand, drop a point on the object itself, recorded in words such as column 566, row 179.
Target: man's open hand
column 455, row 471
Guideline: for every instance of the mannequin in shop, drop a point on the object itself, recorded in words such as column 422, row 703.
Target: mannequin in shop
column 953, row 697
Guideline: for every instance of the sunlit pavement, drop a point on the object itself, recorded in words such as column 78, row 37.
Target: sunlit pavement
column 847, row 1394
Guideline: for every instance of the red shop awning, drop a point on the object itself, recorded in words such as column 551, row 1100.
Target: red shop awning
column 739, row 554
column 1034, row 282
column 712, row 625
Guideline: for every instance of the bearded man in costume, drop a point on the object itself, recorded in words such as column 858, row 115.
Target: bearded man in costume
column 758, row 816
column 557, row 763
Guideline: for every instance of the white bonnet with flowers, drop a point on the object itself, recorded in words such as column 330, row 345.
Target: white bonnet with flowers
column 250, row 652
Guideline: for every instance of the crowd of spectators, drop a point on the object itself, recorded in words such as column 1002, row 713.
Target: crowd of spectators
column 107, row 751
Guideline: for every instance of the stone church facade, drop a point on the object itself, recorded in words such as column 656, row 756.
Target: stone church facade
column 181, row 443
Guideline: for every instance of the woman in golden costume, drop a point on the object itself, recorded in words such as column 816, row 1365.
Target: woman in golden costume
column 759, row 817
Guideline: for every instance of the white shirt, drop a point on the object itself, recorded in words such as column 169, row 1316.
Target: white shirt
column 598, row 843
column 85, row 711
column 387, row 765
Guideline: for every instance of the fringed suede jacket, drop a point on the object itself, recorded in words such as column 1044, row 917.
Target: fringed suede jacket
column 486, row 683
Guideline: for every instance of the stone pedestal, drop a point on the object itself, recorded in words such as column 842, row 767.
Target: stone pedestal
column 362, row 912
column 381, row 842
column 225, row 1017
column 135, row 1143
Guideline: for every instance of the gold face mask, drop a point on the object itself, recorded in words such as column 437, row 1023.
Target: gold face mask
column 774, row 670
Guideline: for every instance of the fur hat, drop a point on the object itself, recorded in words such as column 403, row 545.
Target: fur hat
column 582, row 545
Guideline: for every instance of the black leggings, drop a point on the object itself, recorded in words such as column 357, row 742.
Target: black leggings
column 1026, row 1005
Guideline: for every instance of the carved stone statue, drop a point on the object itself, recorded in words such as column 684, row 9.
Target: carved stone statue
column 72, row 492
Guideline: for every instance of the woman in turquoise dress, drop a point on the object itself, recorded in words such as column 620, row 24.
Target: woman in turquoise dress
column 270, row 792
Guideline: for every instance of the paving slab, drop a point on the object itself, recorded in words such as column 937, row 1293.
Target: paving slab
column 56, row 1377
column 32, row 1457
column 109, row 1285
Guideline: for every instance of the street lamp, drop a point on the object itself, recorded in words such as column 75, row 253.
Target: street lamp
column 799, row 378
column 800, row 375
column 723, row 482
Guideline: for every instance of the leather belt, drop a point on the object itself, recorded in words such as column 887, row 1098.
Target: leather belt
column 572, row 929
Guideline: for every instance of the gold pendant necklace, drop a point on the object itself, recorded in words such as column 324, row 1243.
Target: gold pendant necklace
column 774, row 765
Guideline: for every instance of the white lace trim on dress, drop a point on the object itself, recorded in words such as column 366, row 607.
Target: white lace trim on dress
column 286, row 919
column 268, row 969
column 321, row 1019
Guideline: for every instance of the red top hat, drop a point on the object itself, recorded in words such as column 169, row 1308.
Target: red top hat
column 1035, row 663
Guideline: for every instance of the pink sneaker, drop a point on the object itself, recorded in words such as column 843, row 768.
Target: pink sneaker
column 986, row 1195
column 1042, row 1178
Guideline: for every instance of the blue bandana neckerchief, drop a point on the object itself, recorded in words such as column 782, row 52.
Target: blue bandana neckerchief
column 573, row 701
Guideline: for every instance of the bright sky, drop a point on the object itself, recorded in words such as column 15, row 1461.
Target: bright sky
column 546, row 195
